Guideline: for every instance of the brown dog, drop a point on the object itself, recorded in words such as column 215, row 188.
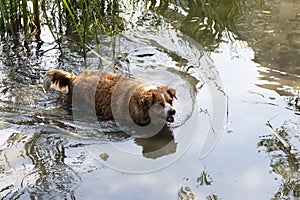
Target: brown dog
column 112, row 94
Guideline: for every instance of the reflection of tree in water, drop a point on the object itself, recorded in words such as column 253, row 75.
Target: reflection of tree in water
column 204, row 21
column 284, row 162
column 204, row 180
column 185, row 193
column 272, row 30
column 293, row 103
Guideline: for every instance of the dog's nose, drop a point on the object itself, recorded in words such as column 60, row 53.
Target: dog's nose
column 171, row 112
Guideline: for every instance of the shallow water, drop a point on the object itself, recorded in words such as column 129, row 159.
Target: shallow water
column 232, row 76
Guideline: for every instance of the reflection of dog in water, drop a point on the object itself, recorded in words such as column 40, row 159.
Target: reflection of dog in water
column 95, row 89
column 158, row 145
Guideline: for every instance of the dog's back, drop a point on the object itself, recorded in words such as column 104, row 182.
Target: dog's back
column 91, row 89
column 94, row 88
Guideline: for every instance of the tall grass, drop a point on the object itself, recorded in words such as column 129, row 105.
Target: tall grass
column 91, row 19
column 17, row 17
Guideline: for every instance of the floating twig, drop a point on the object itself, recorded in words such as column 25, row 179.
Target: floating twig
column 285, row 144
column 107, row 62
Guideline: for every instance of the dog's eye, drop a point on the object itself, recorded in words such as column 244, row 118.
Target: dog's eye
column 162, row 104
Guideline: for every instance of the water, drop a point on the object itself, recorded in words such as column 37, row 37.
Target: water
column 233, row 73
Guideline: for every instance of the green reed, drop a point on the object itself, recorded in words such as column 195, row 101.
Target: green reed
column 90, row 19
column 16, row 17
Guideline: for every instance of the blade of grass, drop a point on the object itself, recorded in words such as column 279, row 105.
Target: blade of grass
column 4, row 14
column 74, row 20
column 25, row 18
column 36, row 13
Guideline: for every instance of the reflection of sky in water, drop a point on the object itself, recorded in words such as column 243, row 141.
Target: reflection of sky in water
column 237, row 149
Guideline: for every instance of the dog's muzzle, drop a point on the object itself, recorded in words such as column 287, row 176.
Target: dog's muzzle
column 170, row 114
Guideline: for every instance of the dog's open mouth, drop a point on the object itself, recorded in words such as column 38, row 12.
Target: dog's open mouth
column 170, row 118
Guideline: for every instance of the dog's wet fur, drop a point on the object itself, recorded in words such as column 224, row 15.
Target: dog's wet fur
column 104, row 91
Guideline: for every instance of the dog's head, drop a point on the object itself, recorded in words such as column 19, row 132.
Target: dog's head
column 160, row 100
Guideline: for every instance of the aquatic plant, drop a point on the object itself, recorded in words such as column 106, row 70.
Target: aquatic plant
column 90, row 19
column 19, row 15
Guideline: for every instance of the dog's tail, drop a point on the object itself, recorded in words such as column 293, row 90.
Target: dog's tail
column 58, row 79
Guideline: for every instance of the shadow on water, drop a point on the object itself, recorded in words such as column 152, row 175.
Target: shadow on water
column 161, row 144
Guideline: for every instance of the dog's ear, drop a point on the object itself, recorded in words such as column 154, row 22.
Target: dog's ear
column 148, row 99
column 172, row 92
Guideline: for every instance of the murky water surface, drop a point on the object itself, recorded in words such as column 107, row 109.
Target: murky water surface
column 235, row 68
